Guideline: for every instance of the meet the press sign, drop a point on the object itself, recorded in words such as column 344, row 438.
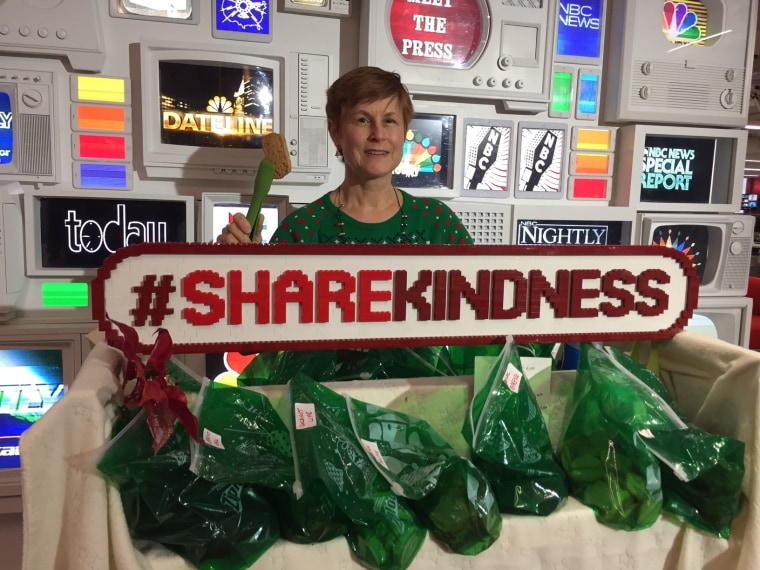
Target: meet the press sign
column 213, row 297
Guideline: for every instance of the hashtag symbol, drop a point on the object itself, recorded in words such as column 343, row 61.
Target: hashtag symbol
column 152, row 300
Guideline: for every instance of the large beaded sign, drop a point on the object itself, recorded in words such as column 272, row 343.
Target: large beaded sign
column 272, row 297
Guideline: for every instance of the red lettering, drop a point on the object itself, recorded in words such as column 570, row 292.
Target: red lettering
column 303, row 295
column 578, row 293
column 189, row 288
column 659, row 296
column 519, row 294
column 459, row 287
column 368, row 295
column 625, row 297
column 439, row 295
column 341, row 297
column 259, row 297
column 413, row 295
column 558, row 297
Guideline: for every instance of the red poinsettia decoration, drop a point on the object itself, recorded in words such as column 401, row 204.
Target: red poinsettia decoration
column 162, row 400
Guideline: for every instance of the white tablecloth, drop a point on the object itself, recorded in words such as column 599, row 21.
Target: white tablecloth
column 73, row 518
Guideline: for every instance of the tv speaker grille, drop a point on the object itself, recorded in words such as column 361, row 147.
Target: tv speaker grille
column 487, row 223
column 35, row 145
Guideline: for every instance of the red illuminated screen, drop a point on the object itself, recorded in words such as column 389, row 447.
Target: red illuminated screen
column 215, row 105
column 447, row 33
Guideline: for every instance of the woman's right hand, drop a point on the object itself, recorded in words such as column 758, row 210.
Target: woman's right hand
column 239, row 229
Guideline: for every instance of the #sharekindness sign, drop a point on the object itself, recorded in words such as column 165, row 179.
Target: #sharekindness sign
column 214, row 298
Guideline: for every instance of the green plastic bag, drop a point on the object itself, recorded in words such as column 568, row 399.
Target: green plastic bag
column 246, row 441
column 510, row 441
column 609, row 467
column 701, row 472
column 216, row 526
column 384, row 533
column 446, row 491
column 271, row 368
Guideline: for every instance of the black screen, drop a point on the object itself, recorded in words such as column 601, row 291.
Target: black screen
column 82, row 232
column 677, row 170
column 692, row 239
column 569, row 232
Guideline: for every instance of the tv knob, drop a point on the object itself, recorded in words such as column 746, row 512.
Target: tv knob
column 737, row 228
column 31, row 98
column 730, row 75
column 519, row 83
column 505, row 62
column 727, row 99
column 507, row 83
column 4, row 30
column 735, row 247
column 477, row 80
column 646, row 68
column 491, row 82
column 644, row 92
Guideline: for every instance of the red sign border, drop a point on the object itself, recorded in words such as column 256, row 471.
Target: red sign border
column 185, row 249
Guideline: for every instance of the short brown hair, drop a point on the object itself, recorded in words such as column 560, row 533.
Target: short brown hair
column 367, row 84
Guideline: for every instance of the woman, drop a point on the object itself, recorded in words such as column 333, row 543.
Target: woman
column 368, row 114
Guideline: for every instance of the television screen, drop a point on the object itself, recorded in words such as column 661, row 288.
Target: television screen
column 572, row 232
column 6, row 128
column 579, row 31
column 223, row 213
column 31, row 381
column 225, row 106
column 79, row 232
column 677, row 169
column 691, row 239
column 486, row 157
column 426, row 157
column 541, row 156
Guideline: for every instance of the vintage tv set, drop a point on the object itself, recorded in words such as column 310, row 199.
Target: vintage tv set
column 69, row 233
column 661, row 168
column 205, row 111
column 668, row 53
column 427, row 159
column 28, row 150
column 718, row 245
column 480, row 50
column 217, row 209
column 564, row 225
column 37, row 364
column 729, row 317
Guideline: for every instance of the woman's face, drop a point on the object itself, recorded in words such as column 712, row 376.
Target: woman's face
column 371, row 135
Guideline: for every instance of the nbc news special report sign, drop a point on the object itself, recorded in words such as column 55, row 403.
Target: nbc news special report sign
column 289, row 297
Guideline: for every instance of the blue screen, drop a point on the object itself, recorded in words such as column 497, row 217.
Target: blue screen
column 31, row 381
column 6, row 129
column 588, row 93
column 244, row 17
column 579, row 29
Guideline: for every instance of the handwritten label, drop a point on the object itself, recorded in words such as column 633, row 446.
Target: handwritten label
column 305, row 416
column 512, row 378
column 213, row 439
column 371, row 448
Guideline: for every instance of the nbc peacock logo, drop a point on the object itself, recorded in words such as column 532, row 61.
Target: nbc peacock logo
column 219, row 104
column 684, row 22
